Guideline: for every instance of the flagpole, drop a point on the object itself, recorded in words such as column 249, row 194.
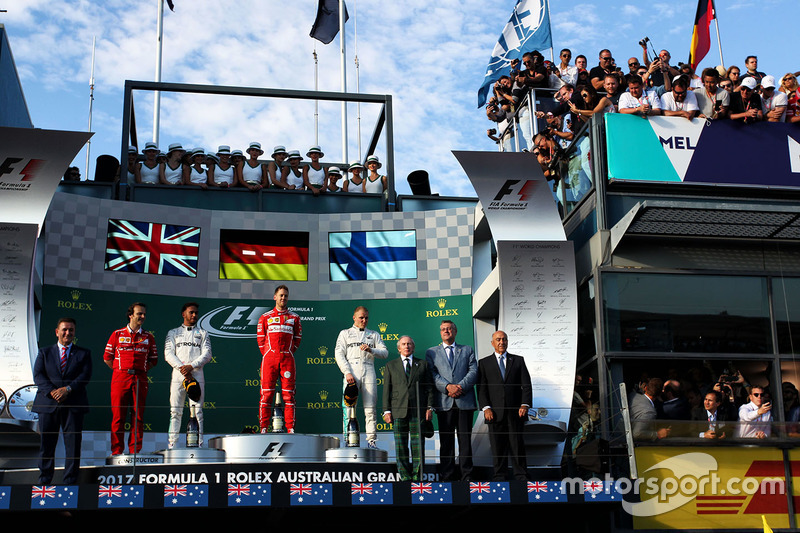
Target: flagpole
column 316, row 102
column 358, row 76
column 719, row 43
column 344, row 80
column 91, row 101
column 157, row 94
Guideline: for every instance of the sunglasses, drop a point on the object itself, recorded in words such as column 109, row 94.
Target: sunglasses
column 632, row 65
column 757, row 394
column 725, row 85
column 677, row 93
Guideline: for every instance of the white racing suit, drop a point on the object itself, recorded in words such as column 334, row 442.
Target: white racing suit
column 186, row 345
column 352, row 360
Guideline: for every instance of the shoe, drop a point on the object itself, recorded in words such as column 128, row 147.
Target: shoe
column 372, row 445
column 264, row 430
column 290, row 431
column 171, row 445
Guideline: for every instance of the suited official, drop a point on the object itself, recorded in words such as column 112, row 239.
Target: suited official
column 406, row 393
column 505, row 397
column 643, row 412
column 454, row 371
column 61, row 400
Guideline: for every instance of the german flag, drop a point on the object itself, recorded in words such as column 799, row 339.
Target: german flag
column 268, row 255
column 701, row 40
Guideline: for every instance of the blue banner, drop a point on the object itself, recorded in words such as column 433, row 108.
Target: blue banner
column 527, row 30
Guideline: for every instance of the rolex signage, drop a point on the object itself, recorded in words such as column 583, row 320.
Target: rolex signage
column 232, row 377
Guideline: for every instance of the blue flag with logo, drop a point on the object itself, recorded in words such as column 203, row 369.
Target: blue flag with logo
column 527, row 30
column 372, row 255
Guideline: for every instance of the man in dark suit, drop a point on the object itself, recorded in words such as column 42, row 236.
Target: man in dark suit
column 61, row 372
column 713, row 417
column 454, row 371
column 643, row 412
column 406, row 391
column 504, row 394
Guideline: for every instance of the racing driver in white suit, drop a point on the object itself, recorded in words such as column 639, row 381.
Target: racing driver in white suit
column 356, row 350
column 187, row 350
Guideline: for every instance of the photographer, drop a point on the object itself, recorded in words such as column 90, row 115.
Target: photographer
column 755, row 418
column 502, row 94
column 663, row 71
column 497, row 114
column 712, row 101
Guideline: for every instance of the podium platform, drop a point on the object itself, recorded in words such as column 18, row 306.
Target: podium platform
column 274, row 447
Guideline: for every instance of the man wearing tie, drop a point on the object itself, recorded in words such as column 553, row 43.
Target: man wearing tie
column 454, row 371
column 505, row 395
column 61, row 372
column 715, row 416
column 406, row 391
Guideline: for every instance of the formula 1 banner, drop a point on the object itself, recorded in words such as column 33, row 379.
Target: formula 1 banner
column 232, row 377
column 673, row 149
column 707, row 488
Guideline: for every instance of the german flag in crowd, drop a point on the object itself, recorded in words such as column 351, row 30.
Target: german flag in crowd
column 701, row 40
column 269, row 255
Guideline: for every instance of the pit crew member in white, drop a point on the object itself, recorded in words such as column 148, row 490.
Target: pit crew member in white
column 187, row 349
column 356, row 350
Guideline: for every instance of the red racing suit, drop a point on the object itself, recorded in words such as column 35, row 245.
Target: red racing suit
column 279, row 334
column 133, row 354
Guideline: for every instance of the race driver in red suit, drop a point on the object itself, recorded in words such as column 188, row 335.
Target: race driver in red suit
column 130, row 353
column 279, row 334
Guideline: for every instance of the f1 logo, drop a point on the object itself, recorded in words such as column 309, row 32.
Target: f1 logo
column 509, row 188
column 28, row 173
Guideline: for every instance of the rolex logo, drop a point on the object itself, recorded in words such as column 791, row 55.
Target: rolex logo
column 75, row 294
column 383, row 326
column 323, row 350
column 323, row 395
column 383, row 369
column 441, row 302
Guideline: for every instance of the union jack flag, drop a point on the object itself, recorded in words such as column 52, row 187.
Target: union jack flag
column 537, row 486
column 361, row 488
column 152, row 248
column 43, row 492
column 174, row 490
column 106, row 491
column 593, row 486
column 421, row 488
column 238, row 490
column 479, row 487
column 300, row 488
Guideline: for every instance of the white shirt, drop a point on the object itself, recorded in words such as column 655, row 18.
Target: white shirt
column 689, row 103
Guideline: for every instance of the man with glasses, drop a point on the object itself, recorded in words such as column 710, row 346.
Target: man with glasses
column 755, row 418
column 598, row 74
column 663, row 71
column 712, row 100
column 680, row 102
column 534, row 76
column 746, row 104
column 633, row 65
column 567, row 72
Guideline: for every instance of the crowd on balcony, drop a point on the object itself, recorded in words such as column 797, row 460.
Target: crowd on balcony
column 696, row 406
column 229, row 169
column 649, row 87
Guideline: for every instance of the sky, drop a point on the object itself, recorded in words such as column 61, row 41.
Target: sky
column 430, row 57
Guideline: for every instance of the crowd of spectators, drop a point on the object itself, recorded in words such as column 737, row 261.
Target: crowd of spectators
column 228, row 169
column 695, row 406
column 648, row 87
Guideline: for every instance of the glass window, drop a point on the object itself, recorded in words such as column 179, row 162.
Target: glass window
column 686, row 313
column 786, row 295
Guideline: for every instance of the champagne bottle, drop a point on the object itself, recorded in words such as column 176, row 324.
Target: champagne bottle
column 353, row 432
column 192, row 429
column 278, row 425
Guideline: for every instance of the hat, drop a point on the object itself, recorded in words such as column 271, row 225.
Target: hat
column 150, row 146
column 278, row 150
column 355, row 164
column 750, row 83
column 213, row 157
column 350, row 395
column 162, row 154
column 334, row 170
column 295, row 154
column 237, row 153
column 132, row 149
column 198, row 151
column 373, row 159
column 224, row 149
column 768, row 82
column 175, row 146
column 315, row 150
column 722, row 71
column 255, row 146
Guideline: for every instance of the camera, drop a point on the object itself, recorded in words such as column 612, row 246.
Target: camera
column 644, row 41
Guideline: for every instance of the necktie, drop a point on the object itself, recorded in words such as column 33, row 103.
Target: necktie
column 450, row 355
column 502, row 364
column 407, row 363
column 63, row 358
